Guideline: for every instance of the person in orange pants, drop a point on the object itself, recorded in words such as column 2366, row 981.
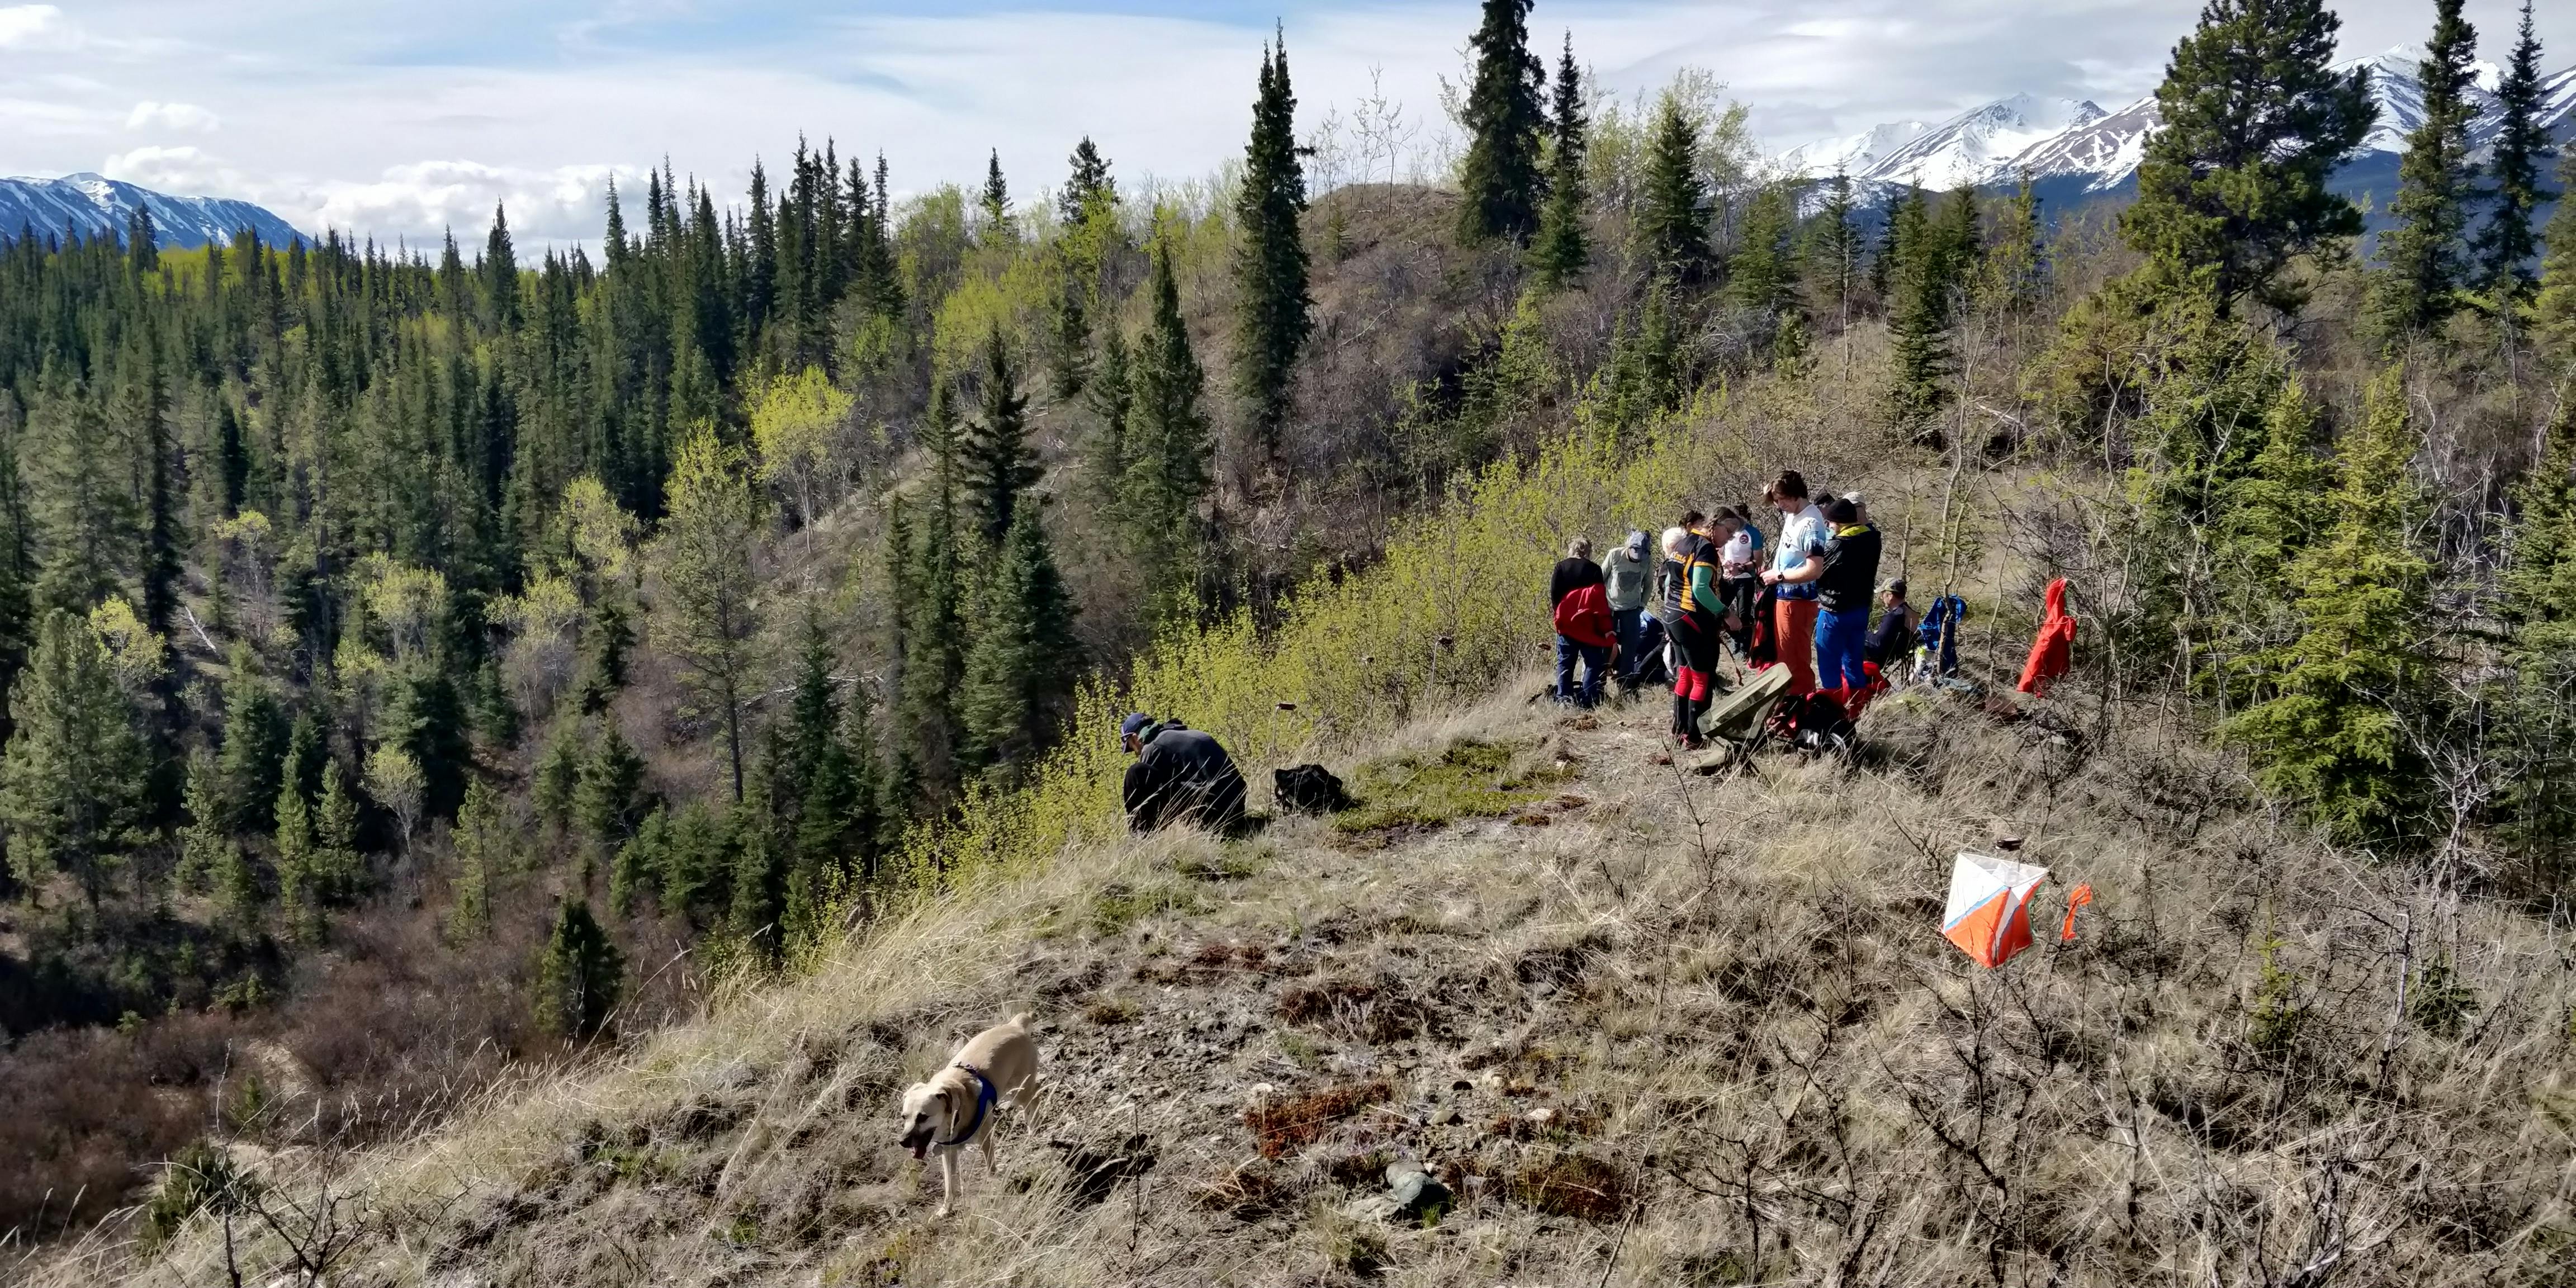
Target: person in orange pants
column 1802, row 538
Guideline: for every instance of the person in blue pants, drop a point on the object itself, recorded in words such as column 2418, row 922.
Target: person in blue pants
column 1844, row 588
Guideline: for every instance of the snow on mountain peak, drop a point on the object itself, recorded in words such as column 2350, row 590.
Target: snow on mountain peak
column 1964, row 149
column 2059, row 138
column 94, row 205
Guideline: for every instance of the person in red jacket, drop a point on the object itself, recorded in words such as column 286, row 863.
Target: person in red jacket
column 2054, row 651
column 1585, row 631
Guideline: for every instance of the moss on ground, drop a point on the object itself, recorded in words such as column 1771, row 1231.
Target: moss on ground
column 1469, row 778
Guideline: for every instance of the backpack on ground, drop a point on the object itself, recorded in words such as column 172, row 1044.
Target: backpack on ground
column 1814, row 722
column 1309, row 789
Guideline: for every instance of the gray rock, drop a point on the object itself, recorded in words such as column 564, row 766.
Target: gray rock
column 1414, row 1192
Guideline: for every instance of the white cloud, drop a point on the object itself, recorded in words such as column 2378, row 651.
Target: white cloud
column 425, row 198
column 398, row 119
column 33, row 26
column 185, row 118
column 184, row 171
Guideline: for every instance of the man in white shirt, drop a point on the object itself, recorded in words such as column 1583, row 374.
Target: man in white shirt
column 1793, row 619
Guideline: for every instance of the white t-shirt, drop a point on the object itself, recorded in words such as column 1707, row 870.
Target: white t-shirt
column 1738, row 554
column 1803, row 534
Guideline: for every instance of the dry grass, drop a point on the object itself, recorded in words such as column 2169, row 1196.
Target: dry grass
column 1699, row 1030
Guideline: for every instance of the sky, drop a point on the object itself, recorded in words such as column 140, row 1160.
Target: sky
column 399, row 119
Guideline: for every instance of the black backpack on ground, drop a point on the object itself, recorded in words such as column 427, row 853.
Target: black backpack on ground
column 1814, row 723
column 1309, row 789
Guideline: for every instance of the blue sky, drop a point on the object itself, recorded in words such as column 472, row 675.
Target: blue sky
column 398, row 119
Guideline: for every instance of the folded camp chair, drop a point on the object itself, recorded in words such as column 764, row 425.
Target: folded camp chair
column 1740, row 721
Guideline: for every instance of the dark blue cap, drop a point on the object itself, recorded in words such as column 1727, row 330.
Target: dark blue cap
column 1134, row 724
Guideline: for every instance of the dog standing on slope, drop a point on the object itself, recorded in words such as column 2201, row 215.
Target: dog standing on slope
column 954, row 1108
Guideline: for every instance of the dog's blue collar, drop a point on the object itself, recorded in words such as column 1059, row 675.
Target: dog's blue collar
column 984, row 1097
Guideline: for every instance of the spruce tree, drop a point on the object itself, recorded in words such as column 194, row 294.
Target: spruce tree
column 2539, row 607
column 1762, row 276
column 1070, row 356
column 995, row 202
column 1089, row 192
column 482, row 848
column 610, row 800
column 256, row 736
column 1112, row 397
column 299, row 896
column 336, row 864
column 2424, row 258
column 1019, row 677
column 606, row 640
column 83, row 499
column 2255, row 120
column 1273, row 311
column 1830, row 259
column 208, row 831
column 1499, row 179
column 144, row 406
column 2334, row 737
column 2553, row 308
column 928, row 734
column 1087, row 212
column 710, row 615
column 558, row 774
column 756, row 888
column 1642, row 382
column 71, row 780
column 2506, row 245
column 1920, row 284
column 1168, row 442
column 996, row 462
column 1673, row 219
column 1564, row 247
column 500, row 272
column 834, row 762
column 2015, row 268
column 580, row 975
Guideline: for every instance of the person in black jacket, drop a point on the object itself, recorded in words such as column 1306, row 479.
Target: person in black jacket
column 1844, row 585
column 1180, row 776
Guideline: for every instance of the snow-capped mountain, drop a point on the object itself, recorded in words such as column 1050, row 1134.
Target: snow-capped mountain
column 2075, row 148
column 1856, row 153
column 94, row 205
column 1968, row 147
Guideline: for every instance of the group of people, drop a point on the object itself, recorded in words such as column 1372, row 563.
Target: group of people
column 1802, row 601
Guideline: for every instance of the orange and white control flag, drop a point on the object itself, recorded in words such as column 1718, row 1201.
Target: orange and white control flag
column 1989, row 912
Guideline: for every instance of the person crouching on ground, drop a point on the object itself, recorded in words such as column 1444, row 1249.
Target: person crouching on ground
column 1844, row 574
column 1792, row 576
column 1893, row 641
column 1580, row 609
column 1628, row 576
column 1698, row 631
column 1180, row 776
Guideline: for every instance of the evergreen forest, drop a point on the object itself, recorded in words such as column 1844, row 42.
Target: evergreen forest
column 425, row 667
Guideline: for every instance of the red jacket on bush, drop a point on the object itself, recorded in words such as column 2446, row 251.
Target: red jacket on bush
column 1583, row 616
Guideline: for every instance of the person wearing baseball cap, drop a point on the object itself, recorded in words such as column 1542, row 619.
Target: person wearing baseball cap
column 1180, row 775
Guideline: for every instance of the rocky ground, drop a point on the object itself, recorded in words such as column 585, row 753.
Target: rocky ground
column 1551, row 1010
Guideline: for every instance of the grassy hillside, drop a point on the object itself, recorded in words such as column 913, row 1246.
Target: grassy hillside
column 1648, row 1027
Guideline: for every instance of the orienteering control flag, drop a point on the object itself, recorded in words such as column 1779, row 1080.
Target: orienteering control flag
column 1989, row 912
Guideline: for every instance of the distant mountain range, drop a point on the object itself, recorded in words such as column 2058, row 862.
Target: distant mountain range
column 94, row 205
column 2073, row 150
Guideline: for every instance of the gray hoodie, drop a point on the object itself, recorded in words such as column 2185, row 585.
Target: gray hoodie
column 1630, row 574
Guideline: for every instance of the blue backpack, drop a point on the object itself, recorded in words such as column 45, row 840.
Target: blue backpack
column 1938, row 634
